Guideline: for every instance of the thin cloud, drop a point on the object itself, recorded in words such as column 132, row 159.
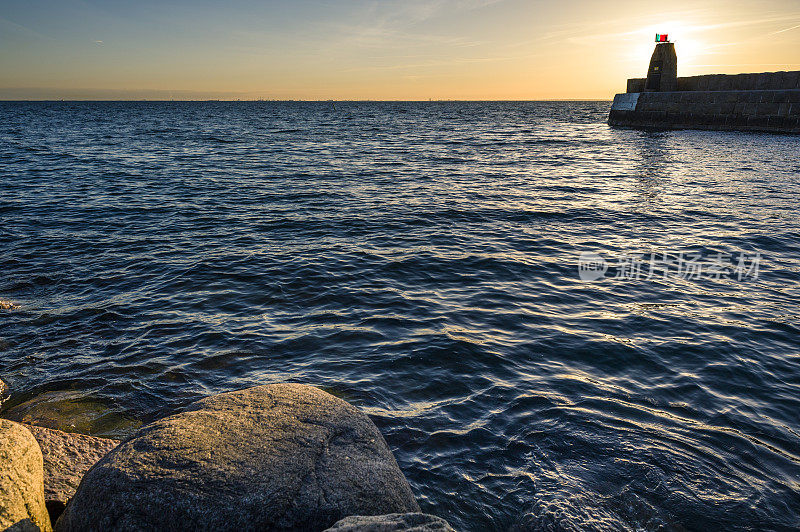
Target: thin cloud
column 748, row 64
column 390, row 23
column 577, row 34
column 13, row 27
column 787, row 29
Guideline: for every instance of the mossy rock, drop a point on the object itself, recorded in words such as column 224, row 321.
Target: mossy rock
column 72, row 411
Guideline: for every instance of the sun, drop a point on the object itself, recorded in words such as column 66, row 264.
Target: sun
column 689, row 43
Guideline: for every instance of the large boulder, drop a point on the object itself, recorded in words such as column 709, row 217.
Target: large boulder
column 415, row 522
column 275, row 457
column 21, row 491
column 67, row 458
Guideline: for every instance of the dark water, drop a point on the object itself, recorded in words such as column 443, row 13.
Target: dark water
column 421, row 260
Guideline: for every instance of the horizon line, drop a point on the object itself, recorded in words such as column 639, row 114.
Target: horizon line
column 270, row 100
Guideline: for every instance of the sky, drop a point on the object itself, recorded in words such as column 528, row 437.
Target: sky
column 376, row 49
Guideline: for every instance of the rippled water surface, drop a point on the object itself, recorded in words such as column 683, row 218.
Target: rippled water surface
column 421, row 261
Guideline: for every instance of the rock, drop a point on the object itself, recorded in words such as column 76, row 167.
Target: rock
column 72, row 411
column 275, row 457
column 7, row 305
column 392, row 523
column 67, row 457
column 3, row 392
column 21, row 491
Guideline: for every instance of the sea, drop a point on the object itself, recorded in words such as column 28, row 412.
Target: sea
column 556, row 325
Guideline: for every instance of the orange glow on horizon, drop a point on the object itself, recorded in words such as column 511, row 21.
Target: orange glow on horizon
column 411, row 50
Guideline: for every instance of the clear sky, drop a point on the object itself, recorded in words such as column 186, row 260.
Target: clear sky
column 390, row 49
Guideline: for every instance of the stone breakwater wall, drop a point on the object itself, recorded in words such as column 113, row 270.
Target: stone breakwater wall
column 767, row 102
column 775, row 111
column 725, row 82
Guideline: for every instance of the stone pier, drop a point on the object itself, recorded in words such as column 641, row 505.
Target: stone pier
column 767, row 102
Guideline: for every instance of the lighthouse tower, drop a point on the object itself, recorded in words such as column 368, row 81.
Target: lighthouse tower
column 663, row 73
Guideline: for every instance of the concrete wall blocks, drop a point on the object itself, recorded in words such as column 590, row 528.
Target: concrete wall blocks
column 725, row 82
column 776, row 111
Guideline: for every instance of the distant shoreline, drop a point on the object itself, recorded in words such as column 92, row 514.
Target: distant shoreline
column 304, row 101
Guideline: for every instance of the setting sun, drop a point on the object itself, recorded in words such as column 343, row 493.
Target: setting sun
column 451, row 49
column 399, row 265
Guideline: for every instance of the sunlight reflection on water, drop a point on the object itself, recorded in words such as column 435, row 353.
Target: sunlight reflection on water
column 423, row 264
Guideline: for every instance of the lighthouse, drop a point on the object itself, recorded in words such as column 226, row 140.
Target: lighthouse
column 662, row 76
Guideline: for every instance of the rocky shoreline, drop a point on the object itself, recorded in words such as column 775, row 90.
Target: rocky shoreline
column 274, row 457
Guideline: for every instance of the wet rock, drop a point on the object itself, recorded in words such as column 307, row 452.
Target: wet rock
column 276, row 457
column 7, row 305
column 72, row 411
column 414, row 522
column 21, row 491
column 67, row 457
column 3, row 392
